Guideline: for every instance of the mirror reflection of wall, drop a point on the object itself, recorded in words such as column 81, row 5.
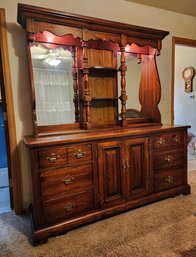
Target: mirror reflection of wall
column 133, row 76
column 53, row 82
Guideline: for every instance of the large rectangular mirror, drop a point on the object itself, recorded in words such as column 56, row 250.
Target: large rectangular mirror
column 53, row 84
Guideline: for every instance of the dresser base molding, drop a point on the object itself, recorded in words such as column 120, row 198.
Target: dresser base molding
column 40, row 236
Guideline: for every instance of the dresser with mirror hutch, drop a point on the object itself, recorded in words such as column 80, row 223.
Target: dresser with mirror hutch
column 99, row 147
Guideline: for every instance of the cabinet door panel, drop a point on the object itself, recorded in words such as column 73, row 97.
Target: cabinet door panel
column 138, row 167
column 111, row 173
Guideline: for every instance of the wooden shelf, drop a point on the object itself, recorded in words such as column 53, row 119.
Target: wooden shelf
column 105, row 98
column 103, row 68
column 99, row 68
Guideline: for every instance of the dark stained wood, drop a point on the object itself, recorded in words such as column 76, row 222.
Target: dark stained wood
column 106, row 163
column 138, row 181
column 111, row 170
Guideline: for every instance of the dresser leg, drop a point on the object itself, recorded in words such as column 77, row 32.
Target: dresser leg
column 187, row 190
column 39, row 240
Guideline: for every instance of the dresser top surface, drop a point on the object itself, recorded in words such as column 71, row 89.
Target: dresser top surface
column 93, row 135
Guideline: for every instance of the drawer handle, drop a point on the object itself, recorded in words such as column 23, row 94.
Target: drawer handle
column 124, row 165
column 176, row 139
column 52, row 158
column 161, row 141
column 69, row 206
column 68, row 179
column 169, row 158
column 169, row 179
column 79, row 154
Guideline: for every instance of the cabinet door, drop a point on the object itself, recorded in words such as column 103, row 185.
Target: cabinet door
column 137, row 165
column 111, row 173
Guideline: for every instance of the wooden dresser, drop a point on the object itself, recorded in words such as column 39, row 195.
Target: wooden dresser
column 90, row 160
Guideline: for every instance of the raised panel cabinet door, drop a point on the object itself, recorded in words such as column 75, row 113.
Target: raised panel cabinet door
column 111, row 173
column 137, row 166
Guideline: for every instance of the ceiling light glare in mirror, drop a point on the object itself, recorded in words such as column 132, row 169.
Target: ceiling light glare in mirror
column 52, row 61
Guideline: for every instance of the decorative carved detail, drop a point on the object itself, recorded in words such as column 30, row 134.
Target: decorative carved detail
column 123, row 96
column 75, row 85
column 50, row 38
column 87, row 97
column 150, row 89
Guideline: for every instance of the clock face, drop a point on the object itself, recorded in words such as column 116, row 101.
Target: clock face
column 187, row 73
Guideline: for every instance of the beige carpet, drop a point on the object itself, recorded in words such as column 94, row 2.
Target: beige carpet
column 163, row 229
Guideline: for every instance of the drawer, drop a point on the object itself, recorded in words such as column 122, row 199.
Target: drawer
column 79, row 153
column 59, row 156
column 55, row 183
column 169, row 139
column 167, row 180
column 68, row 207
column 52, row 157
column 163, row 160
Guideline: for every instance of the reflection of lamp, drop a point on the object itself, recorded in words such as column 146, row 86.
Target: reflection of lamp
column 51, row 60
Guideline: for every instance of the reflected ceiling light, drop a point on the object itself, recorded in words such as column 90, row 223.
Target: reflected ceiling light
column 52, row 61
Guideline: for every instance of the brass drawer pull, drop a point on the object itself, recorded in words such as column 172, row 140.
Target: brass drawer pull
column 79, row 154
column 161, row 141
column 176, row 139
column 68, row 179
column 53, row 157
column 169, row 179
column 69, row 206
column 169, row 158
column 123, row 165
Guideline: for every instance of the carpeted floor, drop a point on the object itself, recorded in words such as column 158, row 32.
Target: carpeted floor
column 163, row 229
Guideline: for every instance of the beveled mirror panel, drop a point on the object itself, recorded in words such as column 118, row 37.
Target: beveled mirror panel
column 53, row 84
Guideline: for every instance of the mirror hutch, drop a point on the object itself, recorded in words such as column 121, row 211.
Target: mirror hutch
column 99, row 147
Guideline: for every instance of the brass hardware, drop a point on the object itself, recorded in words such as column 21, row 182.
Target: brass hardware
column 169, row 179
column 52, row 158
column 176, row 139
column 161, row 141
column 79, row 154
column 124, row 165
column 169, row 158
column 69, row 206
column 68, row 179
column 127, row 164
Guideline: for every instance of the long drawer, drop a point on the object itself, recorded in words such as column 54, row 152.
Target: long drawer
column 55, row 183
column 169, row 139
column 59, row 156
column 164, row 160
column 167, row 180
column 67, row 207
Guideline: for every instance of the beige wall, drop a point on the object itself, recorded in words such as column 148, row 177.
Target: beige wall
column 116, row 10
column 184, row 103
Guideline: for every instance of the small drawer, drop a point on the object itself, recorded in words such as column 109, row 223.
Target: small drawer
column 167, row 180
column 58, row 182
column 63, row 208
column 52, row 157
column 170, row 139
column 163, row 160
column 79, row 153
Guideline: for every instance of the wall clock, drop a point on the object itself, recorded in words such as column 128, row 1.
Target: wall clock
column 188, row 75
